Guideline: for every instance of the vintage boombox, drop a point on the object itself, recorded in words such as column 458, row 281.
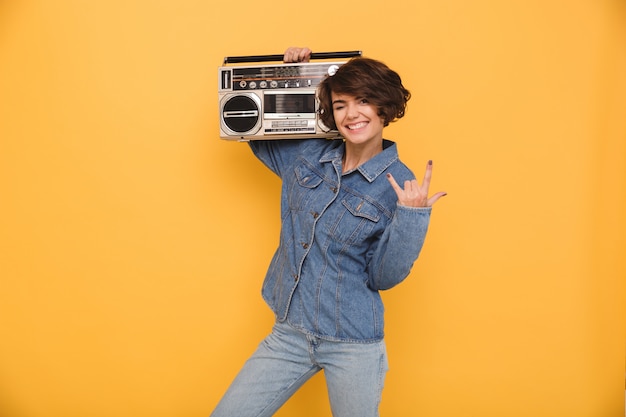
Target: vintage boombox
column 274, row 101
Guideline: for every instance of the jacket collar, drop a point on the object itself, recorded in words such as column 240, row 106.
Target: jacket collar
column 371, row 169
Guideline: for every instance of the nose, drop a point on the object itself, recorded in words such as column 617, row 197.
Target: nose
column 353, row 110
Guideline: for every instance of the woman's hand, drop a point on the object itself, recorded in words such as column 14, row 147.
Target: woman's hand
column 414, row 195
column 296, row 54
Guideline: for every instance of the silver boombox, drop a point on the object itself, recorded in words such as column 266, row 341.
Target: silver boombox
column 274, row 101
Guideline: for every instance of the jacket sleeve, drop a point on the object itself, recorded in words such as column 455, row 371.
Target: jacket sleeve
column 275, row 154
column 399, row 247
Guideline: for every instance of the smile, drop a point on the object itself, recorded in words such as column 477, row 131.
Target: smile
column 357, row 125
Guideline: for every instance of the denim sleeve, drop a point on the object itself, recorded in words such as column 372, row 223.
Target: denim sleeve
column 276, row 154
column 399, row 247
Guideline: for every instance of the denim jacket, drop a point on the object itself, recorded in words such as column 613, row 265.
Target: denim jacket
column 343, row 238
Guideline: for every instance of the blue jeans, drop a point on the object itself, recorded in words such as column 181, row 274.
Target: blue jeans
column 287, row 358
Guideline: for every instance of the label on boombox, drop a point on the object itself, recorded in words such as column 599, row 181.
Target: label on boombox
column 273, row 101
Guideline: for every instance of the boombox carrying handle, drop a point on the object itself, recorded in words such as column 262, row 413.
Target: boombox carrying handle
column 267, row 58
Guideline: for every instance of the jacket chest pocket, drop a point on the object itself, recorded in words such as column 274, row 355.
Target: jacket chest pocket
column 359, row 221
column 303, row 189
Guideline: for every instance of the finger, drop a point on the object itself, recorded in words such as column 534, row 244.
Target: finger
column 304, row 55
column 432, row 200
column 394, row 184
column 291, row 54
column 428, row 175
column 408, row 185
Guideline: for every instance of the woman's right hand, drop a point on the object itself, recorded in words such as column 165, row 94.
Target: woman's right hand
column 413, row 194
column 297, row 54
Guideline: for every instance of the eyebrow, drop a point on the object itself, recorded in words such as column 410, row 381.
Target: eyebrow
column 357, row 98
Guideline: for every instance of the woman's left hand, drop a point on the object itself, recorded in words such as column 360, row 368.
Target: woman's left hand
column 413, row 194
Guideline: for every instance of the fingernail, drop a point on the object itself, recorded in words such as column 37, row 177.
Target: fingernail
column 388, row 175
column 430, row 162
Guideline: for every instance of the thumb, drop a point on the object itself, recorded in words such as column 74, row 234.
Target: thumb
column 432, row 200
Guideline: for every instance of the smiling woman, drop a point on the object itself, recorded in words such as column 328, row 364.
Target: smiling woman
column 348, row 232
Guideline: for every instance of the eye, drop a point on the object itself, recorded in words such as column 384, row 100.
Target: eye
column 364, row 101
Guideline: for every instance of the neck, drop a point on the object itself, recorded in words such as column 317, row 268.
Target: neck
column 355, row 156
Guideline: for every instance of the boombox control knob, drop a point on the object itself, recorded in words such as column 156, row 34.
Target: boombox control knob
column 273, row 84
column 242, row 83
column 263, row 84
column 252, row 84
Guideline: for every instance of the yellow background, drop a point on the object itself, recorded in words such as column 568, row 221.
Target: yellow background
column 134, row 241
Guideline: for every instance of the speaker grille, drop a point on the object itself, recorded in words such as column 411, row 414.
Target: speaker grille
column 241, row 114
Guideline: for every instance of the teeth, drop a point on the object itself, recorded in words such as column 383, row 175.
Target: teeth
column 357, row 126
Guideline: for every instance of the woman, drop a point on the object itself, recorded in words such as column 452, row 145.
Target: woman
column 348, row 231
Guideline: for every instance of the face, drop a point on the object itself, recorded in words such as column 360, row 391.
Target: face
column 357, row 120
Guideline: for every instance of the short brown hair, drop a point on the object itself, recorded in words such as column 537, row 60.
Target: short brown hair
column 364, row 78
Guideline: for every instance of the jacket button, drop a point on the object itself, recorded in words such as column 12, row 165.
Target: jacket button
column 305, row 245
column 295, row 277
column 333, row 189
column 315, row 214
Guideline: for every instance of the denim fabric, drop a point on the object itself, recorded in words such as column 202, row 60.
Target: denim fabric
column 287, row 358
column 343, row 238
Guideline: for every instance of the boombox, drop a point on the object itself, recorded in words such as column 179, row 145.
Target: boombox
column 274, row 101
